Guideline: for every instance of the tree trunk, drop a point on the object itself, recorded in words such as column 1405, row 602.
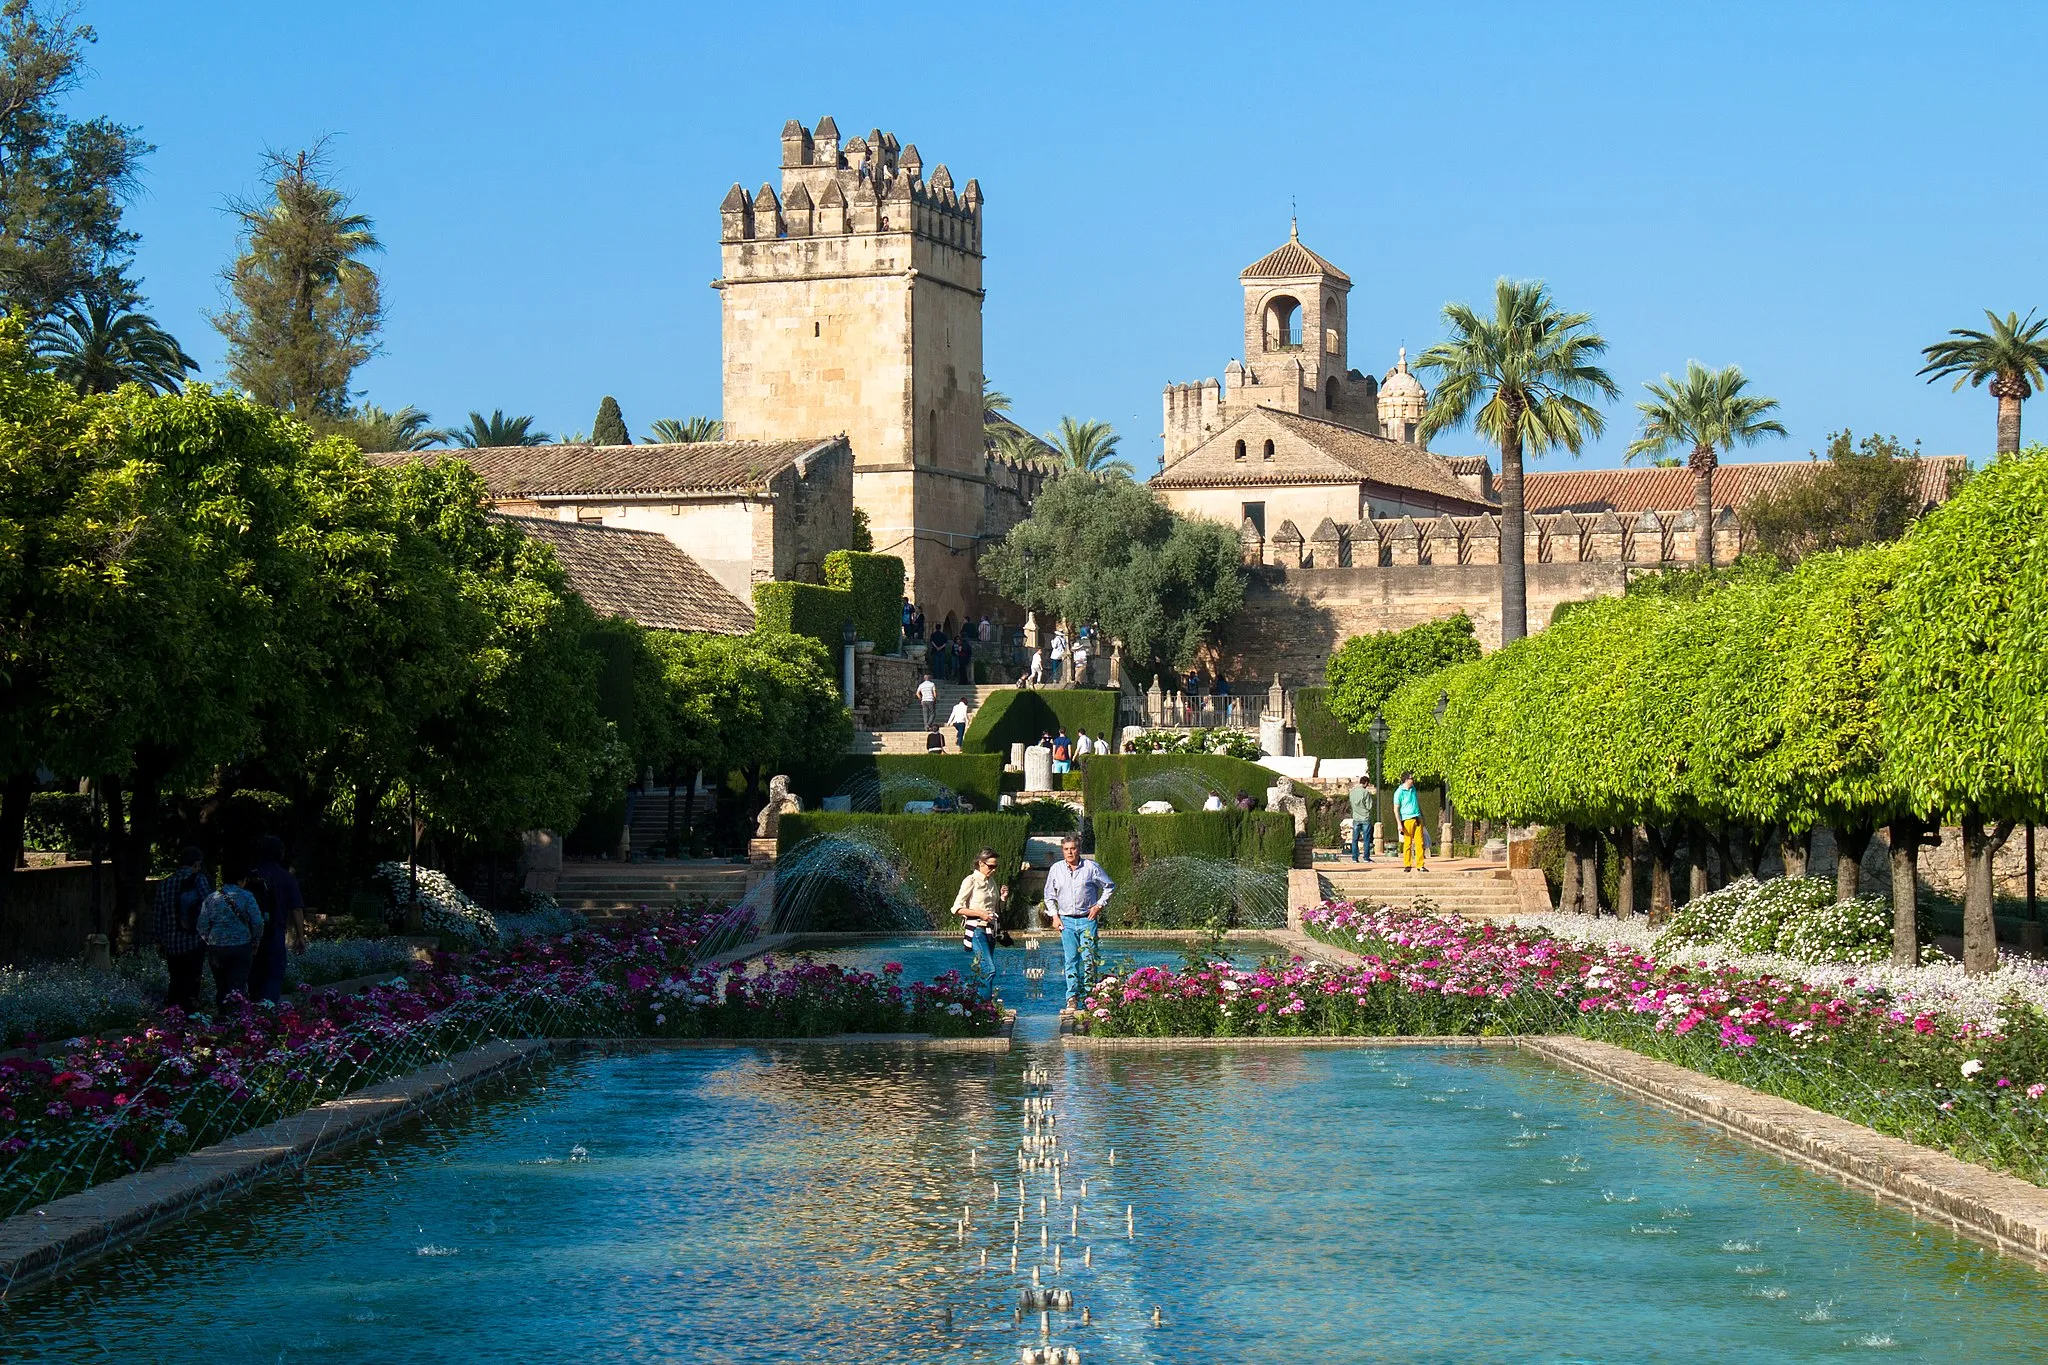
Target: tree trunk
column 1904, row 834
column 1703, row 505
column 1796, row 848
column 1514, row 569
column 1625, row 866
column 1568, row 888
column 689, row 804
column 363, row 811
column 1663, row 845
column 1980, row 928
column 134, row 840
column 1696, row 845
column 2008, row 424
column 14, row 794
column 1851, row 843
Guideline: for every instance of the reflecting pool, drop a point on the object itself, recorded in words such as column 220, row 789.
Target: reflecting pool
column 805, row 1204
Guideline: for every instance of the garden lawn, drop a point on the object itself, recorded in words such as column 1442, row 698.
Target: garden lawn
column 1969, row 1084
column 104, row 1107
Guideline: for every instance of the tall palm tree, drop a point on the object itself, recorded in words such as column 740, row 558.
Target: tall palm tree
column 1706, row 412
column 372, row 428
column 1088, row 448
column 995, row 413
column 497, row 430
column 1015, row 443
column 691, row 431
column 2012, row 355
column 1522, row 376
column 96, row 345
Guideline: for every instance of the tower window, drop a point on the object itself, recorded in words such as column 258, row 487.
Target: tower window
column 1240, row 450
column 1330, row 395
column 1269, row 451
column 817, row 329
column 1283, row 324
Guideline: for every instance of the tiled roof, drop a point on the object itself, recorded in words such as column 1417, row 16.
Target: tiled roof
column 589, row 470
column 1469, row 464
column 641, row 576
column 1335, row 454
column 1291, row 261
column 1668, row 488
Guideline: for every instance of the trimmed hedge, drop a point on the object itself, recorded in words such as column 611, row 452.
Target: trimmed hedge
column 1258, row 846
column 938, row 850
column 1322, row 734
column 803, row 609
column 977, row 777
column 1107, row 779
column 876, row 582
column 1019, row 715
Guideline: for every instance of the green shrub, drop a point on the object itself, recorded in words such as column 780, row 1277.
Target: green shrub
column 1179, row 871
column 1320, row 733
column 1123, row 782
column 1019, row 715
column 803, row 609
column 1763, row 913
column 876, row 582
column 893, row 779
column 1051, row 817
column 58, row 821
column 1229, row 743
column 935, row 852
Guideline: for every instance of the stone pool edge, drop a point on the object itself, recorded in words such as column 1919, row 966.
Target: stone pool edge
column 56, row 1238
column 2001, row 1211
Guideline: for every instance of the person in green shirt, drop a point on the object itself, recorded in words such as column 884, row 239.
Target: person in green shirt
column 1408, row 808
column 1362, row 795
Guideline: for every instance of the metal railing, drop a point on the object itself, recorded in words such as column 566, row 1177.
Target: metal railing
column 1157, row 709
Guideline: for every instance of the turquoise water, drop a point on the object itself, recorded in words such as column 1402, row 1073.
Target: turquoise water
column 742, row 1204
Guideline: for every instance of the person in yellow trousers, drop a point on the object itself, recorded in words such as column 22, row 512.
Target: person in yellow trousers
column 1408, row 808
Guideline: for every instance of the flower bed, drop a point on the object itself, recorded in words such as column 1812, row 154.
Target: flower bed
column 1795, row 917
column 111, row 1105
column 1973, row 1086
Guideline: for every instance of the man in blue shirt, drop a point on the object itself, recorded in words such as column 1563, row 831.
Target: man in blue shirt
column 1075, row 891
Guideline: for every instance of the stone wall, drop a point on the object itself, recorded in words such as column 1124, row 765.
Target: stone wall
column 810, row 517
column 884, row 687
column 49, row 911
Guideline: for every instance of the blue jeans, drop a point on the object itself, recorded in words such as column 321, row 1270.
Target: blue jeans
column 1077, row 940
column 983, row 972
column 1361, row 836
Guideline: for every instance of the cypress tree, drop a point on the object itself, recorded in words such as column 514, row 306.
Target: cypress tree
column 610, row 427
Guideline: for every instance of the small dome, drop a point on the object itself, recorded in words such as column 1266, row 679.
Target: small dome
column 1401, row 384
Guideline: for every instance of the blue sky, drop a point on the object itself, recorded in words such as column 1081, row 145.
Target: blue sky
column 1813, row 191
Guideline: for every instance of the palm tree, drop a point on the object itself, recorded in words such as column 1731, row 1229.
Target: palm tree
column 372, row 428
column 1706, row 412
column 96, row 345
column 1015, row 443
column 1523, row 377
column 995, row 413
column 1088, row 448
column 689, row 432
column 2011, row 355
column 497, row 430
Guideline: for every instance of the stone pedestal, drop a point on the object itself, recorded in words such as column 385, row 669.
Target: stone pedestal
column 1017, row 755
column 761, row 852
column 1037, row 768
column 1273, row 734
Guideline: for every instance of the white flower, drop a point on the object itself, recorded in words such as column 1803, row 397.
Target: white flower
column 1229, row 985
column 956, row 1009
column 700, row 999
column 1107, row 981
column 1972, row 1067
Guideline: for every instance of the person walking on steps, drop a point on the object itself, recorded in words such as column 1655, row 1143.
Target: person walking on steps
column 1075, row 891
column 958, row 720
column 1361, row 819
column 1408, row 808
column 928, row 700
column 979, row 906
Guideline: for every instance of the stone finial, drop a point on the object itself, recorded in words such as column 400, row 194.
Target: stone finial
column 1251, row 542
column 1566, row 539
column 1326, row 546
column 796, row 145
column 767, row 213
column 1481, row 542
column 735, row 216
column 1404, row 542
column 796, row 211
column 1287, row 545
column 1606, row 539
column 831, row 218
column 825, row 142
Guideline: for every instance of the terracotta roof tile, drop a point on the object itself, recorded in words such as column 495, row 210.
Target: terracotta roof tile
column 587, row 470
column 1669, row 489
column 639, row 575
column 1291, row 261
column 1335, row 454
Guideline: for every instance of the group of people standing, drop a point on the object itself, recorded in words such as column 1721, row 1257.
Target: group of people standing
column 1407, row 811
column 1076, row 891
column 1061, row 659
column 241, row 930
column 949, row 657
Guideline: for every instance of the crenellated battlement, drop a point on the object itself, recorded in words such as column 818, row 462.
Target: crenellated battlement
column 864, row 185
column 1649, row 540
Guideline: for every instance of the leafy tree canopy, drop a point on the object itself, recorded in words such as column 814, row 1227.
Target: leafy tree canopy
column 1867, row 492
column 305, row 306
column 97, row 346
column 1367, row 669
column 1109, row 552
column 610, row 427
column 62, row 181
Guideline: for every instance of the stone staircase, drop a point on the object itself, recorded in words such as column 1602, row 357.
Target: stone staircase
column 906, row 734
column 604, row 889
column 1464, row 887
column 649, row 825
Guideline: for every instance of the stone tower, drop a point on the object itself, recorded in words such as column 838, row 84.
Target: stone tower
column 1402, row 403
column 1296, row 343
column 851, row 303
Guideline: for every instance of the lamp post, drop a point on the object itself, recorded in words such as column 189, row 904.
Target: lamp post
column 1377, row 731
column 847, row 635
